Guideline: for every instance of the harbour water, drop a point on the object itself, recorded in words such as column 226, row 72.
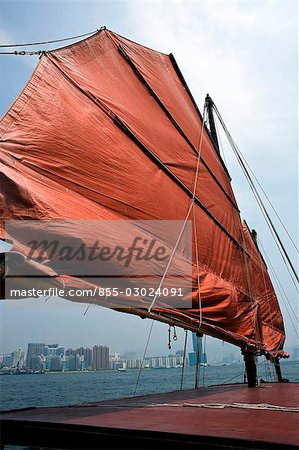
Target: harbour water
column 54, row 389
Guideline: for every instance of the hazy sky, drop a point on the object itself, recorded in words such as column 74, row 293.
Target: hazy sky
column 244, row 53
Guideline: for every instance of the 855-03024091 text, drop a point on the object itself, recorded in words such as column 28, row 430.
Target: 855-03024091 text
column 99, row 292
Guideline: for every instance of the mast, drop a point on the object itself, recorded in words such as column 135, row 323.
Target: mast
column 209, row 103
column 249, row 356
column 277, row 368
column 250, row 367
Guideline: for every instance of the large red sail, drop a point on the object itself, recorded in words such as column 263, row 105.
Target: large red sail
column 107, row 129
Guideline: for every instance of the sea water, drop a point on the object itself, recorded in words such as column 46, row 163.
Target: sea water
column 54, row 389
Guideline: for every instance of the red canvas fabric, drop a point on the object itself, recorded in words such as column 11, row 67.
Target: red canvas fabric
column 66, row 153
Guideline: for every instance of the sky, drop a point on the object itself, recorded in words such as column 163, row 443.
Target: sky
column 245, row 55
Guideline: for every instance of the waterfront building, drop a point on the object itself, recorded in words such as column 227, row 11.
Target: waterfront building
column 100, row 357
column 116, row 361
column 18, row 357
column 69, row 352
column 192, row 355
column 88, row 357
column 34, row 349
column 74, row 362
column 35, row 363
column 158, row 362
column 202, row 359
column 7, row 360
column 135, row 363
column 55, row 363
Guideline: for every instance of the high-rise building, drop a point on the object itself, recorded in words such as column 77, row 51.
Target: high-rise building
column 34, row 349
column 55, row 363
column 100, row 357
column 36, row 363
column 69, row 352
column 74, row 362
column 60, row 351
column 197, row 347
column 52, row 350
column 202, row 359
column 79, row 351
column 87, row 357
column 7, row 360
column 18, row 358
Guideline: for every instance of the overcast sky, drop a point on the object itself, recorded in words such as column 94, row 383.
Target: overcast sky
column 244, row 53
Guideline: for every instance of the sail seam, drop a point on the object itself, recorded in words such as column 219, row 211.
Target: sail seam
column 122, row 125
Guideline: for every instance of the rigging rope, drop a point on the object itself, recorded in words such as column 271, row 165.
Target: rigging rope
column 271, row 308
column 277, row 280
column 270, row 203
column 260, row 202
column 260, row 186
column 143, row 358
column 241, row 373
column 280, row 290
column 23, row 53
column 51, row 41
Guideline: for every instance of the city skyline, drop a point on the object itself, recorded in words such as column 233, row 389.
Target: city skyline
column 41, row 357
column 99, row 357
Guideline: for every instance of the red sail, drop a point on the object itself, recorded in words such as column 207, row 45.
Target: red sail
column 107, row 129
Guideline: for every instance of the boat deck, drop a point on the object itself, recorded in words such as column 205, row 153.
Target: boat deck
column 200, row 418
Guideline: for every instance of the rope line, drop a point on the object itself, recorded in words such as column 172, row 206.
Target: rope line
column 23, row 53
column 143, row 358
column 282, row 292
column 260, row 186
column 241, row 373
column 216, row 405
column 278, row 281
column 53, row 41
column 256, row 406
column 260, row 202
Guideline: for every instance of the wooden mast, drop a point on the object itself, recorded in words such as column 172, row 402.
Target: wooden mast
column 250, row 367
column 213, row 131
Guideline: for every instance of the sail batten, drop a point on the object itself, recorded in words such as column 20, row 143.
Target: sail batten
column 107, row 130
